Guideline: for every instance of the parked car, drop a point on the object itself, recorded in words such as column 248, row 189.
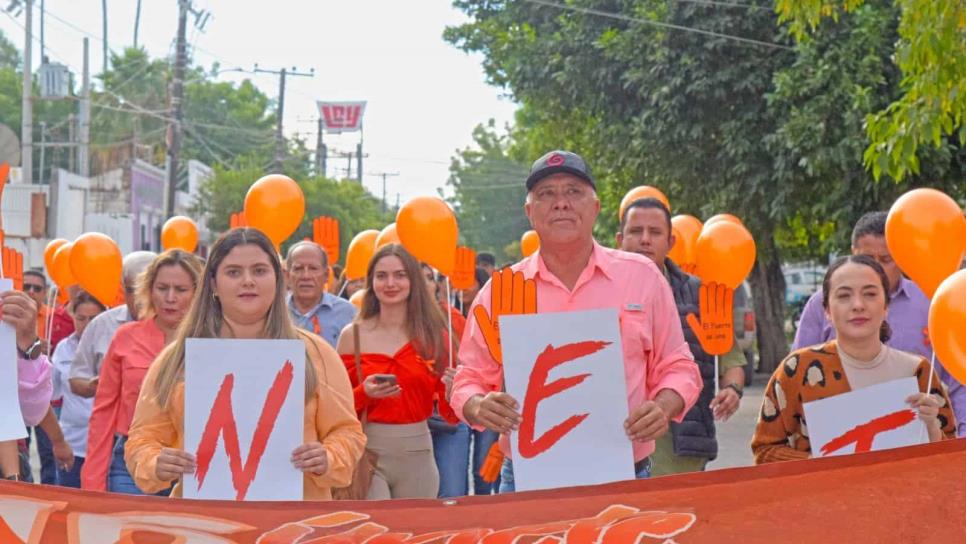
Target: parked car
column 800, row 283
column 744, row 315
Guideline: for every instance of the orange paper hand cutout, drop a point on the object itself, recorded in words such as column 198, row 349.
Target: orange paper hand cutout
column 510, row 294
column 715, row 330
column 13, row 266
column 464, row 271
column 325, row 232
column 237, row 220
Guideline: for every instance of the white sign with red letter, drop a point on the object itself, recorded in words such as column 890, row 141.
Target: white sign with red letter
column 11, row 419
column 868, row 419
column 244, row 413
column 566, row 370
column 342, row 117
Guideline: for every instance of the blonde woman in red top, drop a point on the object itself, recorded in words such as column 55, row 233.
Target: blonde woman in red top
column 403, row 350
column 164, row 292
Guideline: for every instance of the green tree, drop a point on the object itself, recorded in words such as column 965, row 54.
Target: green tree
column 931, row 52
column 486, row 185
column 9, row 54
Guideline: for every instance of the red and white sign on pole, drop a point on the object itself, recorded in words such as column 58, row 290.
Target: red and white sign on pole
column 342, row 117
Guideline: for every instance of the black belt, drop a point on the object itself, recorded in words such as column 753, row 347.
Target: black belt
column 639, row 466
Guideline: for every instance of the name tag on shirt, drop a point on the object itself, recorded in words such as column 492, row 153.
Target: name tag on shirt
column 633, row 308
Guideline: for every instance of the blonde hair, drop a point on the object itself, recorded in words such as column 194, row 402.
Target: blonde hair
column 144, row 283
column 425, row 322
column 205, row 318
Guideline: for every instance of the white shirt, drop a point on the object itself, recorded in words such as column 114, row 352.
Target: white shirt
column 97, row 338
column 76, row 411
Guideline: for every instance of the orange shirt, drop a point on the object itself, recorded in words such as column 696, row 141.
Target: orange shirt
column 42, row 321
column 133, row 349
column 329, row 419
column 417, row 377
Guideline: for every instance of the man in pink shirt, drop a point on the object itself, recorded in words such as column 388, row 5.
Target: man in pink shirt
column 572, row 272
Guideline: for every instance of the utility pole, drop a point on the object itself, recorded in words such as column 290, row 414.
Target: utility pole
column 137, row 23
column 321, row 151
column 104, row 18
column 177, row 92
column 26, row 126
column 83, row 150
column 43, row 50
column 384, row 176
column 279, row 135
column 359, row 162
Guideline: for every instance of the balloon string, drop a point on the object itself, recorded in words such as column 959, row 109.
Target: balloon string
column 717, row 388
column 932, row 371
column 342, row 289
column 449, row 324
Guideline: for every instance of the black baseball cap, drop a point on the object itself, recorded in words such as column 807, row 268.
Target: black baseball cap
column 556, row 162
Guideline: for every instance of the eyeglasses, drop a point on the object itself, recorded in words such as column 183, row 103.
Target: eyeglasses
column 28, row 287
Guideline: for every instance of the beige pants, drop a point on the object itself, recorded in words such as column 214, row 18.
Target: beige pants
column 406, row 467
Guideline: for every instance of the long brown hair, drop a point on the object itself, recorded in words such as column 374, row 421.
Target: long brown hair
column 424, row 319
column 205, row 318
column 144, row 283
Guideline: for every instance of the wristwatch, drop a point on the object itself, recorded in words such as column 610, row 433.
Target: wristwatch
column 12, row 478
column 740, row 391
column 31, row 352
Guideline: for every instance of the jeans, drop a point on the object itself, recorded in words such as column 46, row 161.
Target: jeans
column 482, row 442
column 451, row 448
column 506, row 475
column 119, row 480
column 71, row 478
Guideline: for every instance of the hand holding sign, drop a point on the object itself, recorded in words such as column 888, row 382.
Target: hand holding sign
column 510, row 294
column 715, row 329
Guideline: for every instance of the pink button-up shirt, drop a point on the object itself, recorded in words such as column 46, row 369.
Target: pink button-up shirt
column 656, row 356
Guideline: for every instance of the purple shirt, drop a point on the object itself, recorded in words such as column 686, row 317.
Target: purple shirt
column 908, row 317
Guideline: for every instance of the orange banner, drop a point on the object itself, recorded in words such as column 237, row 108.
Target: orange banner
column 909, row 494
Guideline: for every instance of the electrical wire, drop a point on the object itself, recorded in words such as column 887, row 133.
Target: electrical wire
column 627, row 18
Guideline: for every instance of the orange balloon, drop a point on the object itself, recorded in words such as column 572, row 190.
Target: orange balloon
column 361, row 248
column 643, row 191
column 388, row 235
column 529, row 243
column 687, row 229
column 275, row 205
column 947, row 321
column 95, row 261
column 682, row 250
column 926, row 234
column 356, row 298
column 723, row 217
column 179, row 232
column 60, row 269
column 49, row 251
column 427, row 228
column 725, row 253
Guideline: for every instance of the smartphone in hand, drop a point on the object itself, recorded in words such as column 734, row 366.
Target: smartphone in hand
column 385, row 378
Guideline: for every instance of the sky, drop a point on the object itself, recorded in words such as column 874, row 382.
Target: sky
column 424, row 96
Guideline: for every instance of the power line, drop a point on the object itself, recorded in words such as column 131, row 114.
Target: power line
column 627, row 18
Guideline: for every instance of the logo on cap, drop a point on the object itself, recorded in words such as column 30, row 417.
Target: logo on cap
column 555, row 160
